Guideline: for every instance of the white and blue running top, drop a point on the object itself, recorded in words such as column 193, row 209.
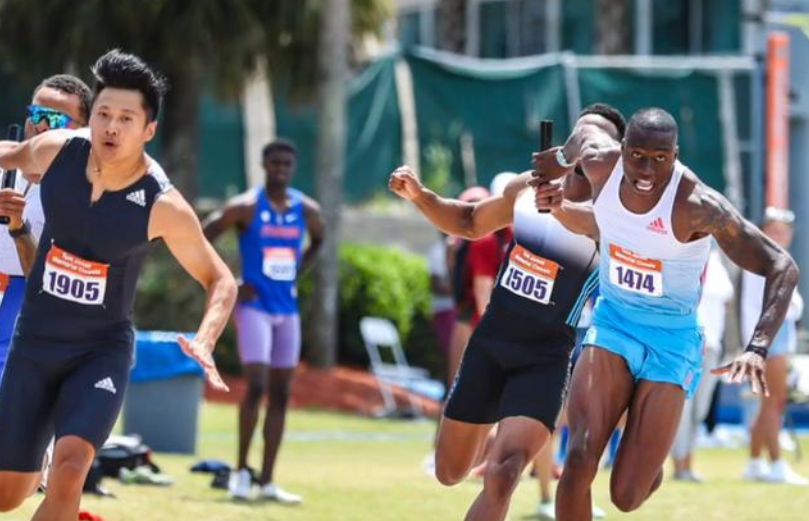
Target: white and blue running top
column 646, row 273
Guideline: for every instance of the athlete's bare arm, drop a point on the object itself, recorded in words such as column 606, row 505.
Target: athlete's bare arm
column 35, row 154
column 12, row 205
column 710, row 213
column 237, row 212
column 592, row 144
column 174, row 221
column 454, row 217
column 578, row 217
column 314, row 226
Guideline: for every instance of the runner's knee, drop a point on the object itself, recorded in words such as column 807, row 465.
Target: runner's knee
column 449, row 472
column 626, row 495
column 279, row 395
column 501, row 477
column 12, row 495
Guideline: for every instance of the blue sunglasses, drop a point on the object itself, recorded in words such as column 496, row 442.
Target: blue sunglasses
column 54, row 118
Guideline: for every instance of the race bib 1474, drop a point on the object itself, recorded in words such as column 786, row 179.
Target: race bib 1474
column 634, row 273
column 72, row 278
column 529, row 275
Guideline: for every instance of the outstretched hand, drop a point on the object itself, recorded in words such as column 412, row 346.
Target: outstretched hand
column 202, row 354
column 405, row 183
column 546, row 167
column 548, row 195
column 748, row 365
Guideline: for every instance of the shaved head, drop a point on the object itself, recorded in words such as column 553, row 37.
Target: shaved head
column 653, row 120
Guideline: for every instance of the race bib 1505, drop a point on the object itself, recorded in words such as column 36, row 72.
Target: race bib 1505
column 529, row 275
column 634, row 273
column 72, row 278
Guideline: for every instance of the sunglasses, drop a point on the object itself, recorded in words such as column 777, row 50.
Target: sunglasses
column 54, row 118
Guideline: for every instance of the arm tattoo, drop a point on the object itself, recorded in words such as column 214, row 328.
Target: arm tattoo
column 753, row 251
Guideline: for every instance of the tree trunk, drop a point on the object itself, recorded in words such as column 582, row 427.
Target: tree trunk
column 180, row 129
column 452, row 29
column 613, row 27
column 331, row 138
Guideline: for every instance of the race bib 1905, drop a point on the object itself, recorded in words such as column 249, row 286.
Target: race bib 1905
column 72, row 278
column 529, row 275
column 280, row 264
column 634, row 273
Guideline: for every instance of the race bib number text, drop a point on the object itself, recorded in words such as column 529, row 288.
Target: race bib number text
column 529, row 275
column 72, row 278
column 634, row 273
column 280, row 264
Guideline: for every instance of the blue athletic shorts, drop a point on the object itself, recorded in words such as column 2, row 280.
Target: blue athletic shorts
column 655, row 354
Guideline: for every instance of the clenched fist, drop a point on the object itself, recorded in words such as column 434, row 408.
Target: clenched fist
column 405, row 183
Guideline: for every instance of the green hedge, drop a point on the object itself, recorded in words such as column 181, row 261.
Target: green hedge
column 374, row 280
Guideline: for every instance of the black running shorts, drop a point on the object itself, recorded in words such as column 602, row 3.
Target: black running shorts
column 498, row 379
column 59, row 389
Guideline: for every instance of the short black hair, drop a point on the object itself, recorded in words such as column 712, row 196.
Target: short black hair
column 609, row 113
column 69, row 84
column 279, row 145
column 120, row 70
column 654, row 119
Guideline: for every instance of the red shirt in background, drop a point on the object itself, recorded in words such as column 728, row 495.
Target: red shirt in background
column 483, row 260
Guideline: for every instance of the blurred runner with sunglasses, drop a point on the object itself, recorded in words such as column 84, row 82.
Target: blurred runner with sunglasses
column 61, row 101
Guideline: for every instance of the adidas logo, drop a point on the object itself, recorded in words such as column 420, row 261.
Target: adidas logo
column 106, row 385
column 657, row 226
column 138, row 197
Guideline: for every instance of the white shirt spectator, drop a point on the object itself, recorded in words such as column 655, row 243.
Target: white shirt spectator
column 716, row 293
column 9, row 261
column 437, row 265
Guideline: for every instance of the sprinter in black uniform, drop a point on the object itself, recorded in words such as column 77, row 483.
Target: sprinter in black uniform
column 105, row 203
column 515, row 368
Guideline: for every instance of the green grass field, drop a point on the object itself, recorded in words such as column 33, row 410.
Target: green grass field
column 358, row 469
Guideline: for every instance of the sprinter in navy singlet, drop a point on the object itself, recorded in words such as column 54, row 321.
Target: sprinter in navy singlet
column 105, row 203
column 515, row 369
column 273, row 222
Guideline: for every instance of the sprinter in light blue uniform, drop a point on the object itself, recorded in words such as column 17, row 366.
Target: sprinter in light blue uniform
column 272, row 222
column 650, row 281
column 643, row 351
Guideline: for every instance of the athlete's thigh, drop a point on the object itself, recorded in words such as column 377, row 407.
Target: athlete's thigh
column 459, row 443
column 27, row 404
column 777, row 372
column 519, row 435
column 286, row 342
column 600, row 391
column 537, row 391
column 651, row 425
column 253, row 334
column 92, row 395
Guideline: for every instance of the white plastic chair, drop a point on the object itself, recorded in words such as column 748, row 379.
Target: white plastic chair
column 380, row 335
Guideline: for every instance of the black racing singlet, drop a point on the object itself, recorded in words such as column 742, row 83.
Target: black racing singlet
column 546, row 277
column 82, row 286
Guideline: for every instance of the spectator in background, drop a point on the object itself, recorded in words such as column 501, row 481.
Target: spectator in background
column 717, row 292
column 441, row 289
column 59, row 102
column 767, row 425
column 473, row 267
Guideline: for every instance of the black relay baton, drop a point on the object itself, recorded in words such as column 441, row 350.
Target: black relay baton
column 545, row 136
column 14, row 133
